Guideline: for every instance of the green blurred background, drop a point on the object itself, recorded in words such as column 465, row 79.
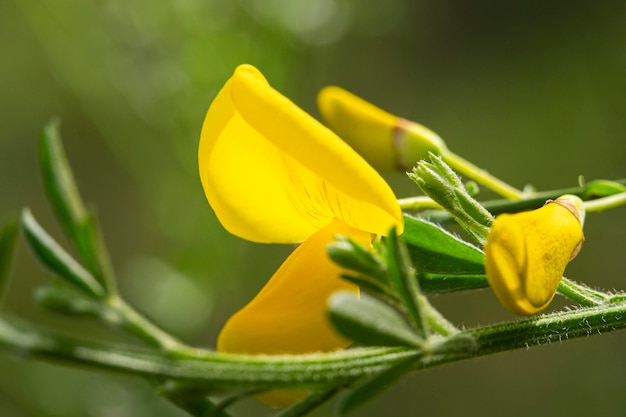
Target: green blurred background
column 531, row 90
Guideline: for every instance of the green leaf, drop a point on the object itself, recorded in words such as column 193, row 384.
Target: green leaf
column 200, row 406
column 445, row 283
column 350, row 254
column 95, row 254
column 372, row 286
column 8, row 237
column 308, row 404
column 51, row 254
column 601, row 188
column 371, row 386
column 446, row 262
column 62, row 299
column 79, row 224
column 404, row 282
column 371, row 322
column 59, row 182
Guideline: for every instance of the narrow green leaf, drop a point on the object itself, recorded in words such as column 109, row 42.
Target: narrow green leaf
column 51, row 254
column 350, row 254
column 370, row 285
column 59, row 181
column 95, row 254
column 601, row 188
column 371, row 322
column 404, row 282
column 309, row 403
column 8, row 237
column 79, row 224
column 445, row 283
column 195, row 403
column 64, row 300
column 439, row 250
column 446, row 263
column 370, row 387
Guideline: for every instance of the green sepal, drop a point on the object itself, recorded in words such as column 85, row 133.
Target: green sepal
column 369, row 321
column 52, row 255
column 473, row 209
column 446, row 172
column 444, row 186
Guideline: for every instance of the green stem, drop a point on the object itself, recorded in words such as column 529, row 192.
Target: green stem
column 217, row 370
column 436, row 320
column 605, row 203
column 582, row 294
column 481, row 176
column 587, row 192
column 417, row 203
column 143, row 328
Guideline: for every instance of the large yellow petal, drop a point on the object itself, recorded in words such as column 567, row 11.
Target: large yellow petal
column 272, row 173
column 288, row 316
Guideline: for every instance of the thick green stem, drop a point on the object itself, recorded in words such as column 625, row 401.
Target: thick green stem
column 211, row 370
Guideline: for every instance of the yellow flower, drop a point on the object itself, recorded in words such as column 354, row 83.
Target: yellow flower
column 273, row 174
column 388, row 142
column 526, row 253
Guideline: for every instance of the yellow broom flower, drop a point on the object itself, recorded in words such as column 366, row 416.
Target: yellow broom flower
column 526, row 253
column 391, row 143
column 273, row 174
column 387, row 141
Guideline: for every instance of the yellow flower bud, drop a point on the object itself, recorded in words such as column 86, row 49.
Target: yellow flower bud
column 526, row 253
column 386, row 141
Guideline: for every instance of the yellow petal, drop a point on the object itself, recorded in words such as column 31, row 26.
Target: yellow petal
column 288, row 316
column 526, row 255
column 383, row 139
column 272, row 173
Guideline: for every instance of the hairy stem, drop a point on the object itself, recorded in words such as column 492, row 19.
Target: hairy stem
column 211, row 370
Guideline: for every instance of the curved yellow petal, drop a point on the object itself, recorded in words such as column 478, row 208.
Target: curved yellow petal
column 272, row 173
column 383, row 139
column 526, row 253
column 288, row 316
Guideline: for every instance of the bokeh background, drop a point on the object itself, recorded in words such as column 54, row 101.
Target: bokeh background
column 531, row 90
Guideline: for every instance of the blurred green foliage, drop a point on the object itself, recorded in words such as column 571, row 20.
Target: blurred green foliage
column 531, row 90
